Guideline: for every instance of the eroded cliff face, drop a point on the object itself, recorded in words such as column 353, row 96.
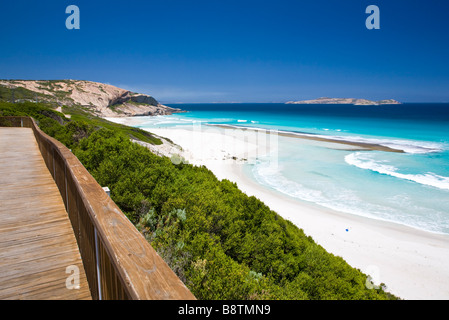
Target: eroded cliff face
column 101, row 99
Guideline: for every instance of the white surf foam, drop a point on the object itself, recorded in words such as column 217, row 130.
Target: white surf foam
column 364, row 161
column 344, row 200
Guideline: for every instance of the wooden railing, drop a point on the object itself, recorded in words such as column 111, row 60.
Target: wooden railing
column 118, row 261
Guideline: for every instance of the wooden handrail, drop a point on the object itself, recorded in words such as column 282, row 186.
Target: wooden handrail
column 119, row 262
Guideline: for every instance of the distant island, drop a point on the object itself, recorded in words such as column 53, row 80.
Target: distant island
column 353, row 101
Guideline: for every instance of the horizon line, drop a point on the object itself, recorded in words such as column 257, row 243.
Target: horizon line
column 271, row 102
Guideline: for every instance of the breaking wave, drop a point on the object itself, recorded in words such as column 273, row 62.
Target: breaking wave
column 364, row 161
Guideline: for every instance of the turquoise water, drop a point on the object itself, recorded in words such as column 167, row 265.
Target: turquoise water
column 411, row 188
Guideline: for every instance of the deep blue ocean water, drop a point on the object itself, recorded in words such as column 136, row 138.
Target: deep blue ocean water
column 410, row 188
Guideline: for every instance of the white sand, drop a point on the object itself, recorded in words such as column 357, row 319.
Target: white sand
column 413, row 264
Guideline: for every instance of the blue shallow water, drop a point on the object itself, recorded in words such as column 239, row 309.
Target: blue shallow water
column 410, row 188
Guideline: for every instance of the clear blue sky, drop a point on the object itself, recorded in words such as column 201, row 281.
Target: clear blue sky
column 241, row 51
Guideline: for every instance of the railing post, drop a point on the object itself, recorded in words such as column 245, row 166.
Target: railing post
column 108, row 192
column 54, row 165
column 97, row 259
column 66, row 191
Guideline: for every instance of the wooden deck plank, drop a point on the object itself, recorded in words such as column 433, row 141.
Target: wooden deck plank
column 37, row 243
column 11, row 221
column 16, row 246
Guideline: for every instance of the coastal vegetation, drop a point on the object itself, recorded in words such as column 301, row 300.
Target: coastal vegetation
column 221, row 243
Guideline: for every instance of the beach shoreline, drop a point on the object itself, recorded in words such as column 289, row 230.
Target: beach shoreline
column 302, row 135
column 411, row 263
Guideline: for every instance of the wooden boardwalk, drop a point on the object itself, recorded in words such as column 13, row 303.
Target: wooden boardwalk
column 37, row 243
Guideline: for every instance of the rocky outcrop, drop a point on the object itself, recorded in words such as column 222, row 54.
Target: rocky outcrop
column 344, row 101
column 143, row 98
column 101, row 99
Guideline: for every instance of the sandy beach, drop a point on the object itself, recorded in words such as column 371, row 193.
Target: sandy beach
column 413, row 264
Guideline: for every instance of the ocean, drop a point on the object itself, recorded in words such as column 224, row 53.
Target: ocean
column 409, row 188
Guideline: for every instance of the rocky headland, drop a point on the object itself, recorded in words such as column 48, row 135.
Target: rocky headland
column 100, row 99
